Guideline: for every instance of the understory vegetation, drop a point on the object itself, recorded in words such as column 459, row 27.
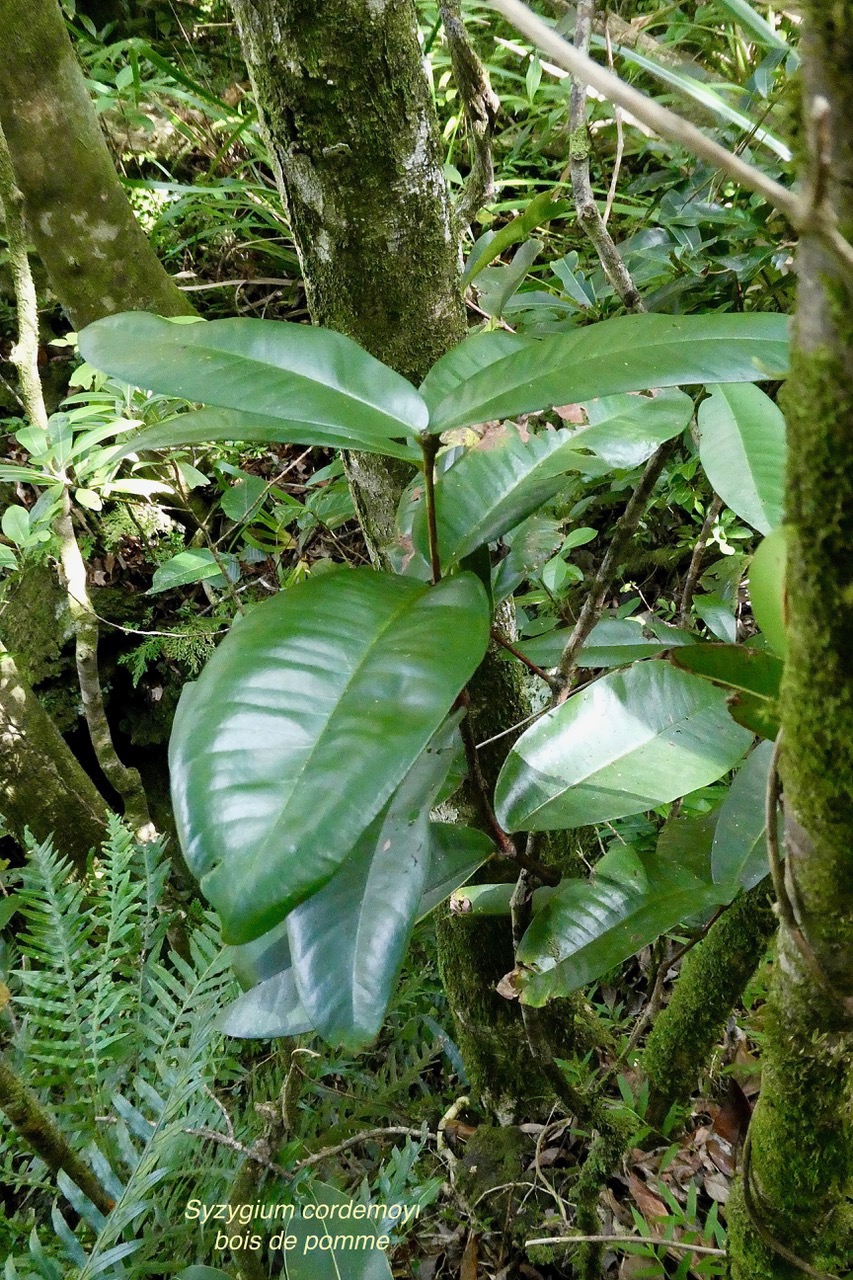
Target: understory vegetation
column 425, row 704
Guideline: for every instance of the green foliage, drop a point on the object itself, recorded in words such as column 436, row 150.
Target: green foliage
column 116, row 1028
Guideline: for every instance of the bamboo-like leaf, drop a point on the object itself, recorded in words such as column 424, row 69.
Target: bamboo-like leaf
column 630, row 741
column 304, row 723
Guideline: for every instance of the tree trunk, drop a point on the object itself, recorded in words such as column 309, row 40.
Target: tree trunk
column 352, row 134
column 41, row 784
column 350, row 126
column 95, row 253
column 791, row 1200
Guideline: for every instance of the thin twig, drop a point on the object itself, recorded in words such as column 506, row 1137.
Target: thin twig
column 692, row 577
column 550, row 680
column 367, row 1135
column 799, row 210
column 625, row 529
column 620, row 134
column 626, row 1239
column 579, row 148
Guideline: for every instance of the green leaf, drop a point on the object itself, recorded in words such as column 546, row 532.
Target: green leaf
column 271, row 1009
column 302, row 725
column 88, row 499
column 718, row 616
column 206, row 426
column 15, row 524
column 530, row 545
column 542, row 209
column 733, row 665
column 590, row 926
column 495, row 486
column 758, row 715
column 193, row 565
column 464, row 361
column 455, row 853
column 626, row 430
column 243, row 498
column 767, row 588
column 629, row 353
column 8, row 559
column 622, row 745
column 739, row 851
column 753, row 21
column 353, row 1262
column 742, row 450
column 613, row 642
column 321, row 384
column 499, row 284
column 262, row 958
column 348, row 941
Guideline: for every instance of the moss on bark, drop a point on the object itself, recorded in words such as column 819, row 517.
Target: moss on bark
column 802, row 1131
column 711, row 982
column 83, row 229
column 41, row 784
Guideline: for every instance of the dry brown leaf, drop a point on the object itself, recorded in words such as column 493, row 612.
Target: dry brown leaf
column 470, row 1269
column 649, row 1204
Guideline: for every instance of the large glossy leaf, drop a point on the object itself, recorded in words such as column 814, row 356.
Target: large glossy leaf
column 626, row 430
column 767, row 588
column 303, row 724
column 742, row 449
column 590, row 926
column 739, row 851
column 734, row 666
column 496, row 485
column 269, row 1010
column 306, row 1260
column 626, row 743
column 271, row 1005
column 613, row 642
column 629, row 353
column 206, row 426
column 310, row 378
column 478, row 352
column 348, row 941
column 455, row 853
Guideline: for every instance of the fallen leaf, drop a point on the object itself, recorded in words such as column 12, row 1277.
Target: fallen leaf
column 650, row 1205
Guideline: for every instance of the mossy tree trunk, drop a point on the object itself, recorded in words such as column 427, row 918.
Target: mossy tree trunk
column 41, row 784
column 95, row 253
column 352, row 133
column 801, row 1162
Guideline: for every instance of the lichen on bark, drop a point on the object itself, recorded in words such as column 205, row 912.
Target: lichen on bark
column 96, row 255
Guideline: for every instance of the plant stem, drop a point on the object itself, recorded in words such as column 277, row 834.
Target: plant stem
column 39, row 1130
column 586, row 208
column 550, row 680
column 429, row 448
column 625, row 529
column 692, row 578
column 481, row 106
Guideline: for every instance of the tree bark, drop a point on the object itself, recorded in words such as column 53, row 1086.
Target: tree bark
column 41, row 784
column 350, row 126
column 95, row 253
column 801, row 1138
